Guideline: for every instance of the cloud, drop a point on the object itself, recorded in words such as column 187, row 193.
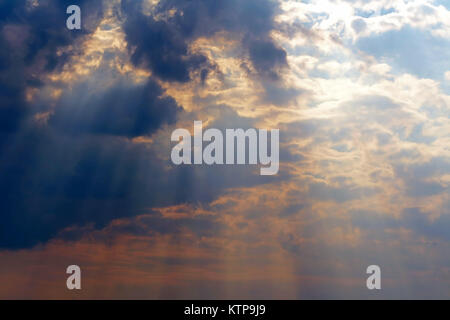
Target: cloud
column 85, row 141
column 72, row 160
column 121, row 110
column 413, row 219
column 160, row 41
column 404, row 49
column 160, row 47
column 69, row 173
column 358, row 25
column 32, row 45
column 339, row 193
column 267, row 58
column 422, row 179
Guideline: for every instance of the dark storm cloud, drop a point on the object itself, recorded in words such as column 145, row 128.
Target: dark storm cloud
column 160, row 47
column 51, row 181
column 267, row 58
column 162, row 44
column 30, row 39
column 80, row 168
column 121, row 110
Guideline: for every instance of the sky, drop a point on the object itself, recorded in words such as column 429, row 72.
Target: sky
column 359, row 90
